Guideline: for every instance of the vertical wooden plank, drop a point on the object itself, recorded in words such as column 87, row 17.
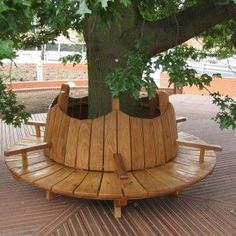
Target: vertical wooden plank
column 110, row 141
column 72, row 141
column 62, row 139
column 49, row 128
column 90, row 185
column 167, row 136
column 173, row 128
column 163, row 99
column 110, row 187
column 83, row 145
column 149, row 143
column 159, row 141
column 55, row 132
column 124, row 147
column 137, row 143
column 63, row 98
column 96, row 147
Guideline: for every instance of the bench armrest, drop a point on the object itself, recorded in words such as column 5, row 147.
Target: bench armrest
column 200, row 146
column 23, row 149
column 180, row 119
column 37, row 125
column 121, row 170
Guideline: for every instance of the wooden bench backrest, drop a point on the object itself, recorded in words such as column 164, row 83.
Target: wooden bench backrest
column 90, row 144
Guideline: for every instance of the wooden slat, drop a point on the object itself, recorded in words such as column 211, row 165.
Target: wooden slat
column 33, row 167
column 90, row 185
column 152, row 185
column 132, row 188
column 96, row 147
column 83, row 145
column 110, row 187
column 167, row 137
column 70, row 183
column 36, row 123
column 34, row 176
column 172, row 182
column 110, row 141
column 137, row 143
column 193, row 170
column 49, row 181
column 159, row 141
column 163, row 99
column 15, row 161
column 208, row 163
column 199, row 145
column 149, row 143
column 63, row 98
column 55, row 132
column 121, row 170
column 178, row 174
column 49, row 127
column 26, row 147
column 173, row 129
column 72, row 141
column 124, row 143
column 62, row 139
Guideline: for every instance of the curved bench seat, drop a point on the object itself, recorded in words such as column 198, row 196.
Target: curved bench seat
column 179, row 173
column 113, row 157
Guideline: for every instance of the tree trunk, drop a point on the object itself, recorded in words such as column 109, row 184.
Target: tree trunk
column 107, row 50
column 107, row 47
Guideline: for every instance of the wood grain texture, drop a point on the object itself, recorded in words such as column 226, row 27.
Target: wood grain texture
column 110, row 187
column 97, row 142
column 151, row 184
column 70, row 183
column 132, row 188
column 173, row 128
column 25, row 147
column 62, row 139
column 36, row 175
column 124, row 143
column 83, row 145
column 149, row 143
column 163, row 99
column 72, row 141
column 49, row 128
column 120, row 167
column 110, row 141
column 90, row 185
column 49, row 181
column 55, row 132
column 137, row 144
column 167, row 137
column 159, row 141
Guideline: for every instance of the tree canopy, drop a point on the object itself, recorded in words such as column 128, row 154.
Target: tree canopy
column 121, row 37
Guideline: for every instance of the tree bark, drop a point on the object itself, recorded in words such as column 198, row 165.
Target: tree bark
column 176, row 29
column 107, row 48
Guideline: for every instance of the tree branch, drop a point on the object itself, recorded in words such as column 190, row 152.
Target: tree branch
column 176, row 29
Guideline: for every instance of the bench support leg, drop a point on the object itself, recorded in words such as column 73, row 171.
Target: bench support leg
column 50, row 195
column 118, row 205
column 15, row 176
column 175, row 194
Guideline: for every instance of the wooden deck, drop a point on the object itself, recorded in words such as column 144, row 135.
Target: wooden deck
column 207, row 208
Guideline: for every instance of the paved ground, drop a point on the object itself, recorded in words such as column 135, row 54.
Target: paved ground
column 207, row 208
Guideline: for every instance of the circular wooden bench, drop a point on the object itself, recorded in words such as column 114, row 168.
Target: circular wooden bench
column 113, row 157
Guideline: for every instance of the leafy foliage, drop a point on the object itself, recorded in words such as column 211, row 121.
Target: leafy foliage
column 227, row 116
column 31, row 23
column 12, row 113
column 129, row 79
column 75, row 59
